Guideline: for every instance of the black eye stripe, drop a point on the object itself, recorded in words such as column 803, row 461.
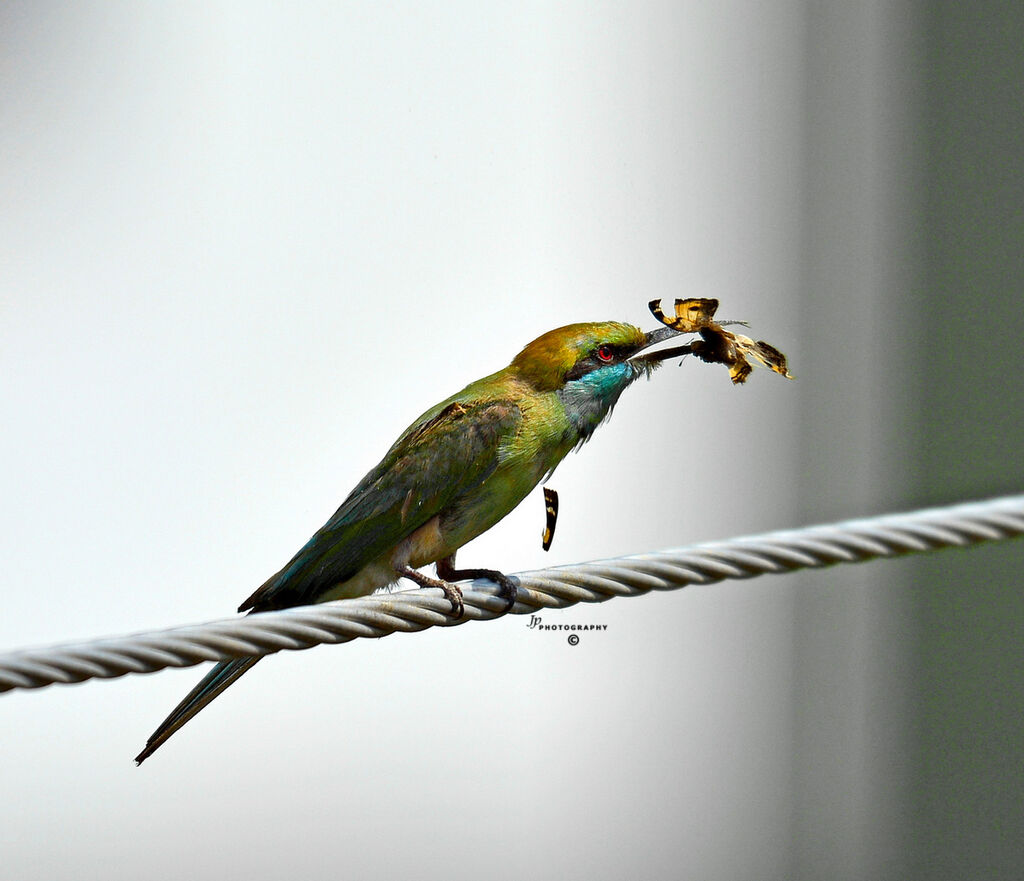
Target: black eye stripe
column 593, row 359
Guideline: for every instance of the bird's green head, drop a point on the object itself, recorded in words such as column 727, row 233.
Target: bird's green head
column 588, row 366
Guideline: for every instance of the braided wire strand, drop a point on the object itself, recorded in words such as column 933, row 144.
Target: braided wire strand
column 381, row 614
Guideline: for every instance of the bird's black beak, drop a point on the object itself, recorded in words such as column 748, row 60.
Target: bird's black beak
column 659, row 336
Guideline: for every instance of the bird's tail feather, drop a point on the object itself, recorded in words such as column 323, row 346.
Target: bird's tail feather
column 220, row 677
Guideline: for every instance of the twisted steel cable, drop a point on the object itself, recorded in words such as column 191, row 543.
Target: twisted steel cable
column 851, row 541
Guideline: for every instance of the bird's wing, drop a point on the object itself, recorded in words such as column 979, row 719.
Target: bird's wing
column 447, row 453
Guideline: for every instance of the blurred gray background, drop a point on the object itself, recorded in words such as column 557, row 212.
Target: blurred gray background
column 242, row 246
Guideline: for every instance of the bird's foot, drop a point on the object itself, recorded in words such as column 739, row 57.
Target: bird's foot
column 507, row 589
column 452, row 593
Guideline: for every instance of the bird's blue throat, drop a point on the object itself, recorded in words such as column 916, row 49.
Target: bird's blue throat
column 589, row 400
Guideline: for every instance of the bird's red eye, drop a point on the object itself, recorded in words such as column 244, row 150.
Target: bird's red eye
column 605, row 353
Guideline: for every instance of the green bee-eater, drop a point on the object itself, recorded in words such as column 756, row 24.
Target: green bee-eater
column 455, row 472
